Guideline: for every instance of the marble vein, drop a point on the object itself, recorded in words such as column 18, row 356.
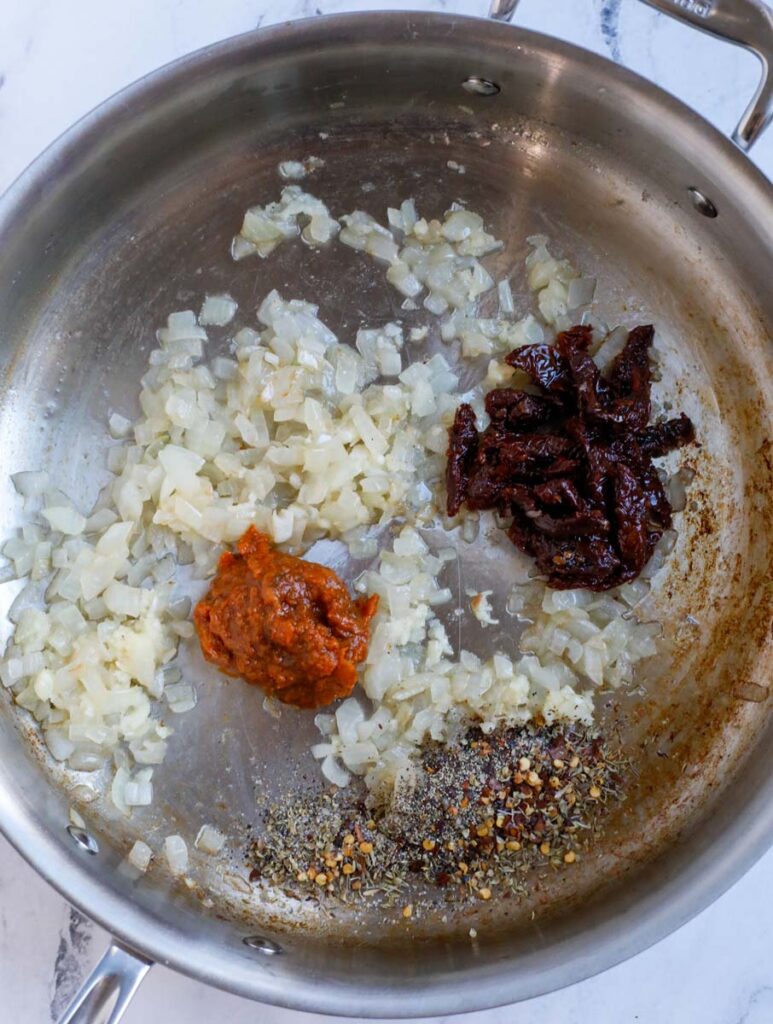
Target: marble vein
column 74, row 943
column 759, row 1009
column 610, row 26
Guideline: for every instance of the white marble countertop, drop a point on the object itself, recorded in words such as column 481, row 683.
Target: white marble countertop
column 59, row 59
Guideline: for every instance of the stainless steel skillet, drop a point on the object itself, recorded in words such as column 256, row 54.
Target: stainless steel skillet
column 110, row 229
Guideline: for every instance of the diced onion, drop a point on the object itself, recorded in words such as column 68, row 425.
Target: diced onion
column 65, row 519
column 176, row 854
column 31, row 483
column 506, row 304
column 140, row 855
column 209, row 840
column 119, row 425
column 217, row 310
column 581, row 292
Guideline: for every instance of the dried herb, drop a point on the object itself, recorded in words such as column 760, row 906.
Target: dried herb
column 471, row 819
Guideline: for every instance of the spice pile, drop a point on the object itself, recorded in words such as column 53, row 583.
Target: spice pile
column 471, row 819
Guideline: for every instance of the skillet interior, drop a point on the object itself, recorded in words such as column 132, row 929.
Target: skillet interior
column 131, row 218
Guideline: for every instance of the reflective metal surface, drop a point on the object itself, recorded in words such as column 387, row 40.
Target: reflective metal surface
column 502, row 10
column 748, row 23
column 114, row 980
column 130, row 216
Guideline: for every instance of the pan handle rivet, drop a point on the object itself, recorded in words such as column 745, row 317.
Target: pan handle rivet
column 480, row 86
column 83, row 839
column 701, row 202
column 262, row 944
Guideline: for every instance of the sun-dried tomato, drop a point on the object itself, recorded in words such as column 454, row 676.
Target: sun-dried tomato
column 462, row 449
column 572, row 464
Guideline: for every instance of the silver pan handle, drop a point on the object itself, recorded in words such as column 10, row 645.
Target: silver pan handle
column 747, row 23
column 502, row 10
column 114, row 980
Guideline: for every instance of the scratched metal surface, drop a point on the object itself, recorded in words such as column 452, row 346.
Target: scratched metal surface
column 76, row 342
